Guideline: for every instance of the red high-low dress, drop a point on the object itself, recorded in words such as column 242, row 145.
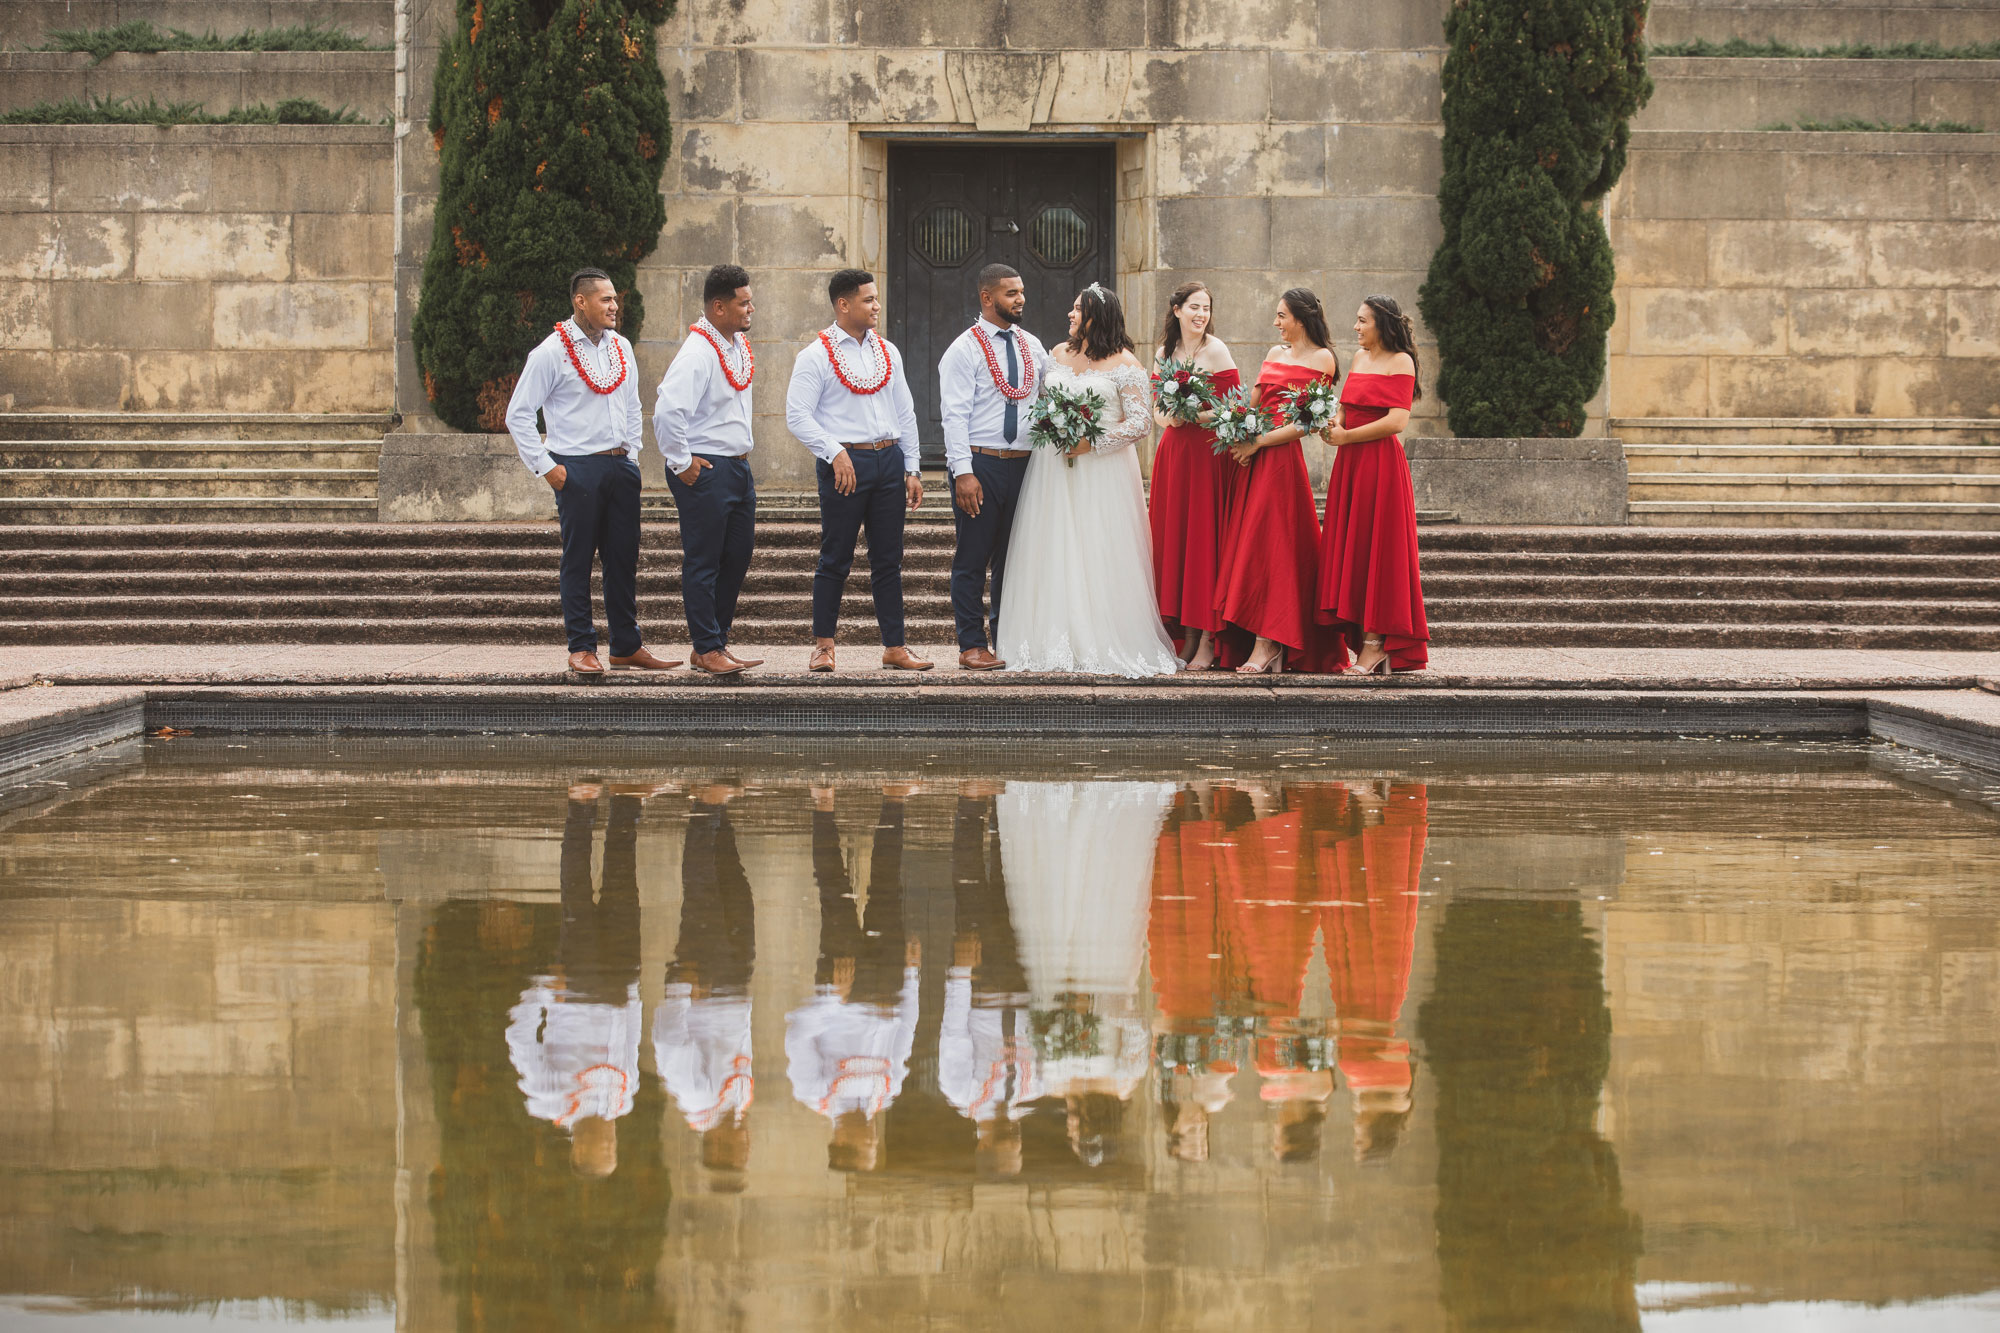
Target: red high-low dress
column 1270, row 540
column 1185, row 505
column 1367, row 576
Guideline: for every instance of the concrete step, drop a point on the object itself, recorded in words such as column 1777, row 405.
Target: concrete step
column 80, row 512
column 123, row 426
column 1812, row 24
column 1806, row 430
column 1935, row 516
column 1748, row 93
column 116, row 485
column 1817, row 487
column 1716, row 611
column 363, row 82
column 1653, row 461
column 163, row 454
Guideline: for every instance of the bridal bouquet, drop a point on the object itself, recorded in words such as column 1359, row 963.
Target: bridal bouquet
column 1066, row 420
column 1182, row 393
column 1314, row 407
column 1238, row 420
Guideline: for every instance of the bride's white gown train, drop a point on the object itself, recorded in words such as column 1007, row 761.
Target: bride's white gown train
column 1079, row 592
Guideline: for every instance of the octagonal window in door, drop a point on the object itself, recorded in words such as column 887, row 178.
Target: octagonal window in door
column 1059, row 236
column 944, row 235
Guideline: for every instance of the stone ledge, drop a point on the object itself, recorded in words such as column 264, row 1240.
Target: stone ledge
column 456, row 478
column 198, row 62
column 196, row 136
column 1812, row 141
column 42, row 725
column 1521, row 481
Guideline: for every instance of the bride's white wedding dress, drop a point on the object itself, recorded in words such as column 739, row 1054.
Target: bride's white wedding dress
column 1079, row 591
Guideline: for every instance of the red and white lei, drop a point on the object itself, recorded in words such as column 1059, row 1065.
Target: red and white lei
column 1007, row 390
column 583, row 372
column 883, row 366
column 715, row 340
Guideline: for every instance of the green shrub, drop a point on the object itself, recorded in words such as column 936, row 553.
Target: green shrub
column 1736, row 47
column 141, row 36
column 1538, row 99
column 550, row 118
column 118, row 111
column 1855, row 125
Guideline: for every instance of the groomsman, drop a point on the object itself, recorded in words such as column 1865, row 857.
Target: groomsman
column 702, row 423
column 849, row 403
column 580, row 379
column 987, row 382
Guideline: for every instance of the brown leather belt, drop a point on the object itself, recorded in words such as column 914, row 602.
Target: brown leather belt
column 609, row 453
column 1000, row 453
column 873, row 445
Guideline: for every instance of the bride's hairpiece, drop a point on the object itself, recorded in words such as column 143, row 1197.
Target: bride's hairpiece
column 1099, row 288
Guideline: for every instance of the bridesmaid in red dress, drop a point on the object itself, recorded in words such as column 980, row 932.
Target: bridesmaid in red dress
column 1270, row 541
column 1369, row 588
column 1185, row 502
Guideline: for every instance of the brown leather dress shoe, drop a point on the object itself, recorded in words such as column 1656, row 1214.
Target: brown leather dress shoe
column 717, row 663
column 743, row 661
column 821, row 659
column 645, row 660
column 979, row 659
column 586, row 664
column 900, row 658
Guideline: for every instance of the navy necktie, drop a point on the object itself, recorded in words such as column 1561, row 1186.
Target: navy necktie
column 1011, row 424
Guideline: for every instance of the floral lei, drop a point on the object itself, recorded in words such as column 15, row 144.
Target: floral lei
column 884, row 366
column 569, row 345
column 709, row 332
column 993, row 367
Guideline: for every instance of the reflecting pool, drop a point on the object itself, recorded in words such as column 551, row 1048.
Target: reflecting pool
column 495, row 1034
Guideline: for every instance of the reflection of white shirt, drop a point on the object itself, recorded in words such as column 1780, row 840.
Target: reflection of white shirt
column 850, row 1057
column 1124, row 1055
column 702, row 1050
column 697, row 411
column 575, row 1058
column 979, row 1065
column 973, row 409
column 824, row 414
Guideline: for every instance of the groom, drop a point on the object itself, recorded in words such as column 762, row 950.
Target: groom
column 987, row 383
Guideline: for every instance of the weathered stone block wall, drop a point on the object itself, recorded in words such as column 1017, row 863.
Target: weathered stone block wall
column 196, row 268
column 27, row 23
column 1807, row 275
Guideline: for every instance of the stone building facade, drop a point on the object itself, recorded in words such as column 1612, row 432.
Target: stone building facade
column 1254, row 146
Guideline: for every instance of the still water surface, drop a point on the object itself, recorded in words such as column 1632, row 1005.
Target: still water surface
column 495, row 1035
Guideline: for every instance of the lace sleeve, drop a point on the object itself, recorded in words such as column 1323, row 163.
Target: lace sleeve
column 1135, row 400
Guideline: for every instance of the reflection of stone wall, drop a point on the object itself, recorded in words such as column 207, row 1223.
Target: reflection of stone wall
column 198, row 1103
column 196, row 268
column 1792, row 1087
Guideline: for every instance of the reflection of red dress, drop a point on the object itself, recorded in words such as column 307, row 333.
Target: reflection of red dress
column 1367, row 575
column 1270, row 538
column 1185, row 505
column 1184, row 939
column 1371, row 935
column 1266, row 899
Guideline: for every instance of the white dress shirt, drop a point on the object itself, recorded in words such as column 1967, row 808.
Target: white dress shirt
column 973, row 408
column 580, row 420
column 575, row 1058
column 825, row 414
column 697, row 411
column 980, row 1065
column 702, row 1049
column 850, row 1057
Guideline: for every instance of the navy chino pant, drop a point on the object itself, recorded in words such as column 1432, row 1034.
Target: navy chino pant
column 598, row 508
column 877, row 506
column 982, row 546
column 718, row 534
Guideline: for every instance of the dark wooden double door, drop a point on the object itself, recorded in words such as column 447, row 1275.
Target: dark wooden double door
column 1046, row 212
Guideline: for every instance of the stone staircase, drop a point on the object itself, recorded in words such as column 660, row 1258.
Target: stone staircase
column 496, row 583
column 1925, row 486
column 139, row 467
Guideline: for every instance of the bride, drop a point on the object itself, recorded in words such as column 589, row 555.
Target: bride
column 1079, row 593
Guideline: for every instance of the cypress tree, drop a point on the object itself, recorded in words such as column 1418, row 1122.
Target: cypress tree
column 550, row 118
column 1538, row 101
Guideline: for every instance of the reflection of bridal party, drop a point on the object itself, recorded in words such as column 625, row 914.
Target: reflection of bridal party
column 1064, row 560
column 1064, row 896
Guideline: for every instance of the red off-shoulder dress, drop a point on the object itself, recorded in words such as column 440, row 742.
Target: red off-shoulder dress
column 1185, row 505
column 1270, row 539
column 1367, row 579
